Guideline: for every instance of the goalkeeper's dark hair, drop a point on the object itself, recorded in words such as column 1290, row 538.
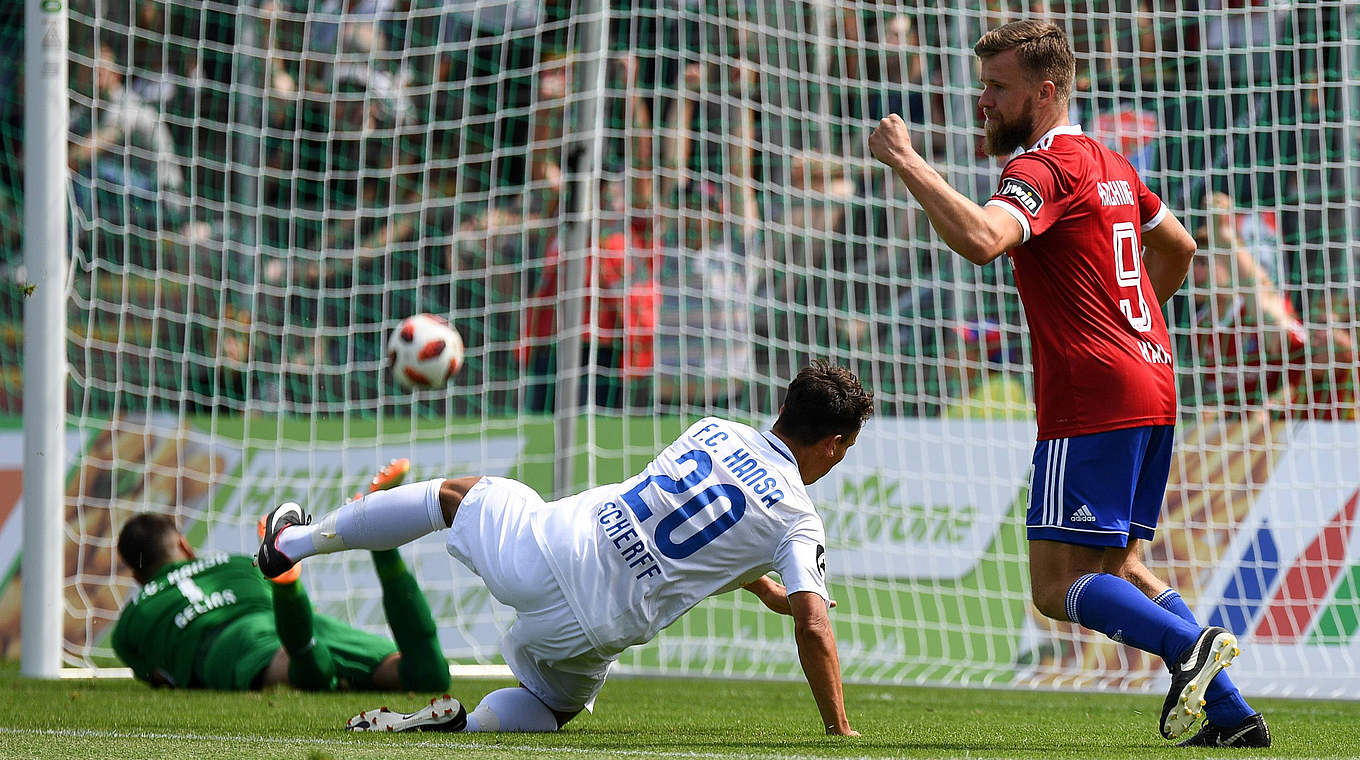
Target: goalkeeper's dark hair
column 823, row 400
column 1041, row 48
column 146, row 542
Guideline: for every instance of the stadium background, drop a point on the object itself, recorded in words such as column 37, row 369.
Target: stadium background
column 296, row 177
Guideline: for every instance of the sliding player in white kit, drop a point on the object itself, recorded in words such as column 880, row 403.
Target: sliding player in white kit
column 595, row 573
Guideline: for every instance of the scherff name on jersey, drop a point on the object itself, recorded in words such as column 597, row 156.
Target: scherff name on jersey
column 626, row 540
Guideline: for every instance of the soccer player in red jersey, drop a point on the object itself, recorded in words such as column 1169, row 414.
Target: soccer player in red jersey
column 1095, row 255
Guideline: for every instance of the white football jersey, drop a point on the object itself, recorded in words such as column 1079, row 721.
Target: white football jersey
column 719, row 508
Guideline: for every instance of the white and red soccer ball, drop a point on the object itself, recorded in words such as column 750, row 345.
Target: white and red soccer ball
column 424, row 352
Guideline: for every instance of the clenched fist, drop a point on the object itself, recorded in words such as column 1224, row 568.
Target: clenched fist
column 891, row 142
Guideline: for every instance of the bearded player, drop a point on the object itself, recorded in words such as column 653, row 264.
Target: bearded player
column 212, row 621
column 1075, row 217
column 595, row 573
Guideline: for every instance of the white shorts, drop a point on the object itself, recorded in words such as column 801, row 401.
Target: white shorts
column 546, row 648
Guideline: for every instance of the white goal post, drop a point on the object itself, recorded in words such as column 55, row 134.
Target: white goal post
column 45, row 257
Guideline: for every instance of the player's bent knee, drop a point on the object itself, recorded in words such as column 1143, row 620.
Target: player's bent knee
column 512, row 709
column 1050, row 601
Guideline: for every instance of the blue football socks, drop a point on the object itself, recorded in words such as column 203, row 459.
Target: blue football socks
column 1116, row 608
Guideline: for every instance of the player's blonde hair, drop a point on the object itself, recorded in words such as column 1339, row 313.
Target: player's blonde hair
column 1042, row 50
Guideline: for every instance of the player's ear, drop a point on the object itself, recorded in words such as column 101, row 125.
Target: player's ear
column 184, row 546
column 1047, row 90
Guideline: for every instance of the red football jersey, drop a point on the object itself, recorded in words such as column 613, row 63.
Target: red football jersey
column 1102, row 356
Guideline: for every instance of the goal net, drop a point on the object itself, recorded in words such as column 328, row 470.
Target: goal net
column 646, row 212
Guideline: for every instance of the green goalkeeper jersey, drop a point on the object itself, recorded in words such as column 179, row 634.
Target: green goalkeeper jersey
column 165, row 628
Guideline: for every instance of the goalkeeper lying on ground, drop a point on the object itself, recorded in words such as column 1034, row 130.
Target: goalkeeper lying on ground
column 215, row 622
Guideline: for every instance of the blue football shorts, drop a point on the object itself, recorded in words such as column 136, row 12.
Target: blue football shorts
column 1100, row 489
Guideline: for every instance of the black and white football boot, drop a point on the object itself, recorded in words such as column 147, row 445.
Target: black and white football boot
column 1213, row 651
column 1251, row 733
column 269, row 559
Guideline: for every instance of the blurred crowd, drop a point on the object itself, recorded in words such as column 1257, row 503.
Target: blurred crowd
column 329, row 166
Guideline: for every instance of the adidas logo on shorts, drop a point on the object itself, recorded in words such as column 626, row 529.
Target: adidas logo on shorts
column 1083, row 514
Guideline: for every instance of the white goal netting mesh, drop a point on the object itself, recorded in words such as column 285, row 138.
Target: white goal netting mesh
column 262, row 190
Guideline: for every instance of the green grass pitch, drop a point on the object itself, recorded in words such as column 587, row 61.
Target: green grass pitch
column 634, row 718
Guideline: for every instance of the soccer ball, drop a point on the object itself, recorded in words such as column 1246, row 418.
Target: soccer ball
column 424, row 352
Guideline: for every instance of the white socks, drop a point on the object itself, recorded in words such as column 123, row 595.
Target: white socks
column 512, row 709
column 379, row 520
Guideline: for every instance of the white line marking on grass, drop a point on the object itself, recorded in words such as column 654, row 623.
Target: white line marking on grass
column 86, row 733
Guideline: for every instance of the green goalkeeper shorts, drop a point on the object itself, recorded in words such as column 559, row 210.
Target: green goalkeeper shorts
column 356, row 653
column 244, row 648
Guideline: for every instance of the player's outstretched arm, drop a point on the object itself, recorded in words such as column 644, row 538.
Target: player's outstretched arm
column 1169, row 249
column 821, row 664
column 978, row 233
